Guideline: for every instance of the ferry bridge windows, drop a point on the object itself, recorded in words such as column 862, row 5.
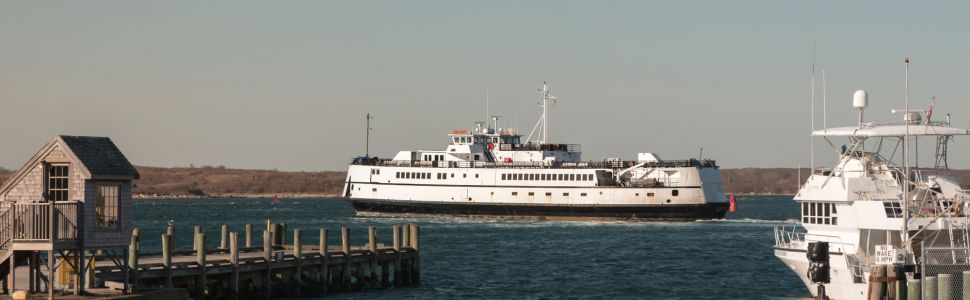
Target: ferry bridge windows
column 893, row 209
column 820, row 213
column 565, row 194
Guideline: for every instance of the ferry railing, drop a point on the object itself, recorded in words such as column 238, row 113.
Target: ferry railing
column 706, row 163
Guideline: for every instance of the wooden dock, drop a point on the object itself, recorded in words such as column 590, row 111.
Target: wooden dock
column 275, row 269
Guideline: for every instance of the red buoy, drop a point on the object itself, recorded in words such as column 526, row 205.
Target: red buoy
column 734, row 206
column 276, row 200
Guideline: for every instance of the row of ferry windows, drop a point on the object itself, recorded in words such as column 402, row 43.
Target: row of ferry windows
column 547, row 177
column 423, row 175
column 819, row 213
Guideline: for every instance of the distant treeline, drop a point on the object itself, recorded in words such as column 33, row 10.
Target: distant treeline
column 220, row 181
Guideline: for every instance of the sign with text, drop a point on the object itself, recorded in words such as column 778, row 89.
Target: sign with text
column 885, row 255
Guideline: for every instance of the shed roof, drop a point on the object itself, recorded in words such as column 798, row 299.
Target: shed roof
column 99, row 155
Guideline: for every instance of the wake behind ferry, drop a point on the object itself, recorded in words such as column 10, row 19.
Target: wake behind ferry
column 492, row 172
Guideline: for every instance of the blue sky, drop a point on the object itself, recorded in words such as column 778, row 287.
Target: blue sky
column 286, row 85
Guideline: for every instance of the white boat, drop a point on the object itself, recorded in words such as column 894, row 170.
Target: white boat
column 880, row 205
column 493, row 172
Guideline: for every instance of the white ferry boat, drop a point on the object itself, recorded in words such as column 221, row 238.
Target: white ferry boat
column 879, row 206
column 493, row 172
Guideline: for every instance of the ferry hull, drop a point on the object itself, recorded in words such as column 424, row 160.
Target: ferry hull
column 663, row 212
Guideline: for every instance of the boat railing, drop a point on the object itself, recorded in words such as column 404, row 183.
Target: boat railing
column 706, row 163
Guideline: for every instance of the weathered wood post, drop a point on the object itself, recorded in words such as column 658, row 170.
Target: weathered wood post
column 298, row 257
column 913, row 291
column 249, row 235
column 385, row 273
column 372, row 247
column 416, row 265
column 929, row 288
column 195, row 240
column 268, row 256
column 224, row 237
column 397, row 256
column 345, row 248
column 234, row 260
column 324, row 272
column 167, row 258
column 945, row 286
column 966, row 285
column 133, row 249
column 200, row 259
column 406, row 235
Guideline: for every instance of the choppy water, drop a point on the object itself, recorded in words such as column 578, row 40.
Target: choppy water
column 717, row 259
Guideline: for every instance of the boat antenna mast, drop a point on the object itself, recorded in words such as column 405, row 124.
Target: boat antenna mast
column 544, row 98
column 906, row 177
column 367, row 142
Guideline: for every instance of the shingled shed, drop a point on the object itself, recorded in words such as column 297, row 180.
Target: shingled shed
column 70, row 200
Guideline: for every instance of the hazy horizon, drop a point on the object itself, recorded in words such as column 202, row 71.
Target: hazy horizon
column 261, row 85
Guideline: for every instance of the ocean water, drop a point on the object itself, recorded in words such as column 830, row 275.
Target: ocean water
column 716, row 259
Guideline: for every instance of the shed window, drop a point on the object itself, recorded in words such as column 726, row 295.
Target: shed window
column 57, row 182
column 106, row 211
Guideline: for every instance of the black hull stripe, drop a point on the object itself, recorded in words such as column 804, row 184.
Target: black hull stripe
column 526, row 186
column 622, row 212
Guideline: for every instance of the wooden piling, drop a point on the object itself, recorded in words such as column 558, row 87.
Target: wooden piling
column 966, row 285
column 877, row 282
column 268, row 256
column 249, row 235
column 166, row 258
column 224, row 237
column 945, row 286
column 929, row 288
column 133, row 249
column 416, row 261
column 298, row 257
column 397, row 256
column 324, row 273
column 913, row 291
column 234, row 260
column 372, row 247
column 345, row 248
column 200, row 259
column 195, row 237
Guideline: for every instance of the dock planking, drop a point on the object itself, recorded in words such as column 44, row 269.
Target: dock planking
column 274, row 269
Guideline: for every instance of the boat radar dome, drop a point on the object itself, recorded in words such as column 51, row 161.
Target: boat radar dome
column 860, row 99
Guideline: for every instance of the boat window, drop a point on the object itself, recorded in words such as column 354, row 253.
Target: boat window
column 824, row 213
column 548, row 194
column 515, row 193
column 476, row 175
column 456, row 139
column 572, row 177
column 649, row 194
column 503, row 176
column 582, row 194
column 565, row 194
column 476, row 156
column 675, row 193
column 429, row 176
column 532, row 194
column 464, row 175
